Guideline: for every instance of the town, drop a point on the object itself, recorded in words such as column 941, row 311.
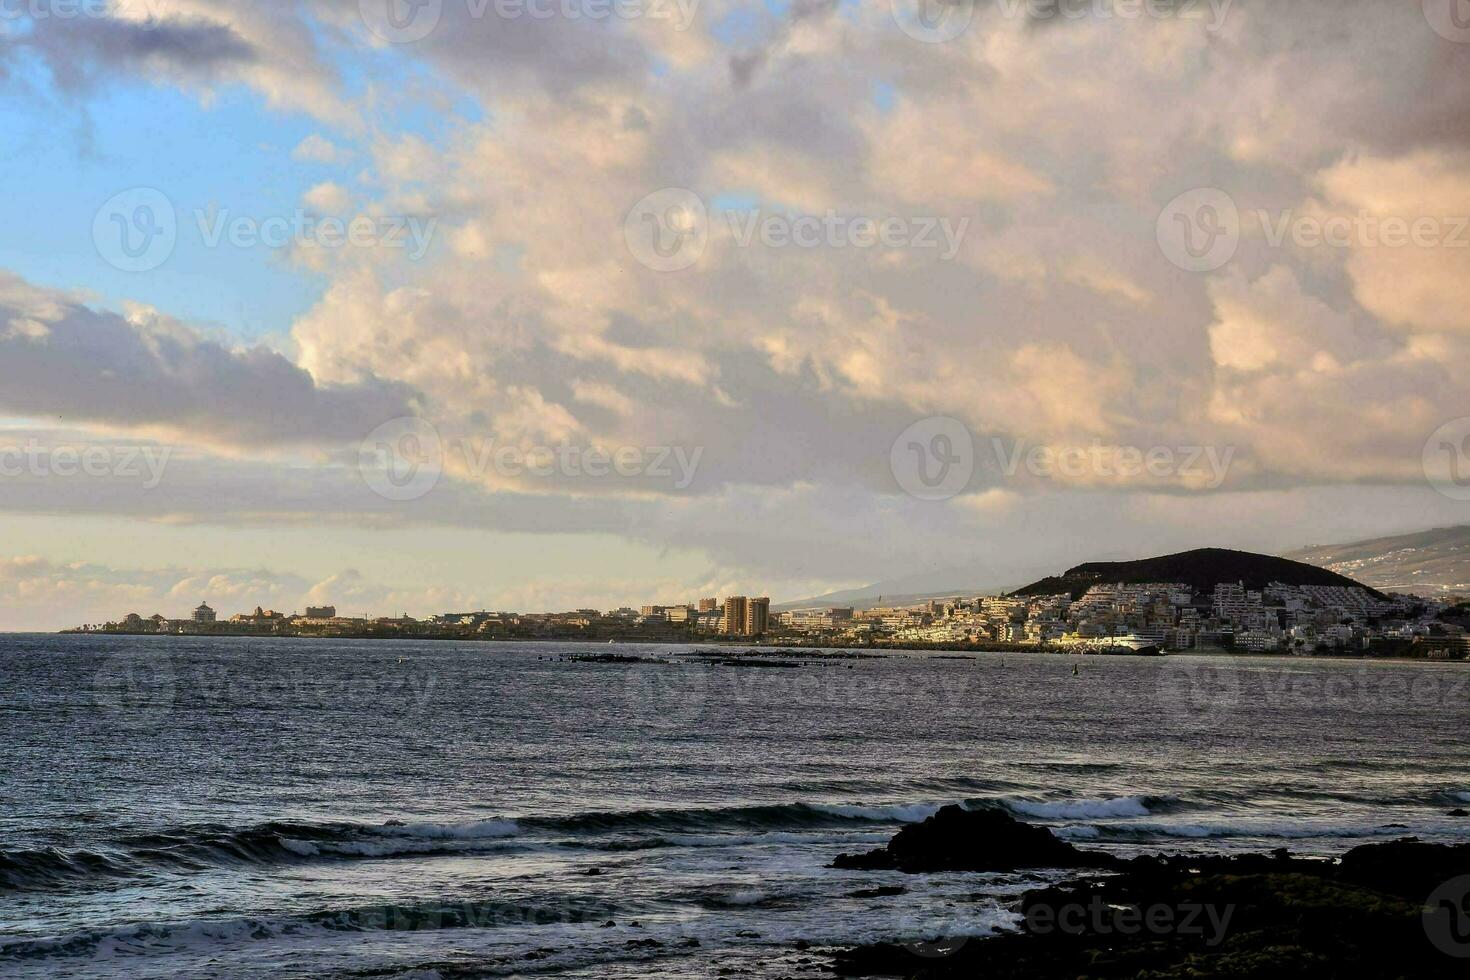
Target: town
column 1106, row 618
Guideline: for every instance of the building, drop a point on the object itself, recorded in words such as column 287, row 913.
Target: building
column 757, row 616
column 204, row 614
column 736, row 607
column 261, row 617
column 708, row 605
column 817, row 620
column 321, row 612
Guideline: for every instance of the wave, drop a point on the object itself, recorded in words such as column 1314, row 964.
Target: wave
column 1157, row 832
column 200, row 846
column 775, row 816
column 50, row 867
column 900, row 813
column 204, row 934
column 1118, row 806
column 197, row 847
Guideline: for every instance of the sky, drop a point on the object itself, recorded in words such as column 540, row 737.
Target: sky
column 430, row 305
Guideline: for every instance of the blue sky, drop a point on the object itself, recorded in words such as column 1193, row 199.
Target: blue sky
column 68, row 159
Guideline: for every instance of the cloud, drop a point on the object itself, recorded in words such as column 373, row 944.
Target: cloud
column 42, row 595
column 197, row 45
column 316, row 148
column 328, row 198
column 60, row 359
column 1410, row 245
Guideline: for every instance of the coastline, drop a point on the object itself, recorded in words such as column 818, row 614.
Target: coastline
column 1393, row 908
column 758, row 645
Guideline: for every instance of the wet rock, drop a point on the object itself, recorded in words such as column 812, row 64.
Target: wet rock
column 1408, row 867
column 1248, row 915
column 643, row 944
column 956, row 839
column 886, row 891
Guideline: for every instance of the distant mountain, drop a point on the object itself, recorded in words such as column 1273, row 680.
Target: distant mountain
column 913, row 589
column 872, row 596
column 1201, row 569
column 1428, row 563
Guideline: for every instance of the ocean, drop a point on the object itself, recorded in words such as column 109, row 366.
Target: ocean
column 212, row 807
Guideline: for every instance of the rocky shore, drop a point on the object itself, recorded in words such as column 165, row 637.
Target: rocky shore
column 1393, row 909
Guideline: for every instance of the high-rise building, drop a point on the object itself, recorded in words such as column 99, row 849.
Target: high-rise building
column 736, row 607
column 204, row 614
column 708, row 605
column 757, row 616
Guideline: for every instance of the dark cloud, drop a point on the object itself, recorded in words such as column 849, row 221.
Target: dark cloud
column 83, row 52
column 63, row 360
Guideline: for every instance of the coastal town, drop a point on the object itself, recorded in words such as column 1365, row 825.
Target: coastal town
column 1105, row 618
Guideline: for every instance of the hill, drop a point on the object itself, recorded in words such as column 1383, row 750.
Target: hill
column 1200, row 569
column 1434, row 563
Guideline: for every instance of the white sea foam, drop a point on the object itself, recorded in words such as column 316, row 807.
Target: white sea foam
column 798, row 838
column 1207, row 830
column 745, row 897
column 1120, row 806
column 902, row 812
column 1078, row 832
column 478, row 830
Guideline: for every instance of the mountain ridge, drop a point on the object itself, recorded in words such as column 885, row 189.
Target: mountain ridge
column 1201, row 569
column 1434, row 563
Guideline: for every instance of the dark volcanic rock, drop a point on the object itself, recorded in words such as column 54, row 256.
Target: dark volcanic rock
column 956, row 839
column 1408, row 867
column 1249, row 915
column 1260, row 926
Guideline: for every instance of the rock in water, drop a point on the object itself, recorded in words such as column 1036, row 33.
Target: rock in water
column 956, row 839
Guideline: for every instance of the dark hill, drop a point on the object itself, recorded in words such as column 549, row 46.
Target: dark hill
column 1200, row 569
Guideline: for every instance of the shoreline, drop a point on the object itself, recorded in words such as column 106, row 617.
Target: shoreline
column 760, row 647
column 1392, row 908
